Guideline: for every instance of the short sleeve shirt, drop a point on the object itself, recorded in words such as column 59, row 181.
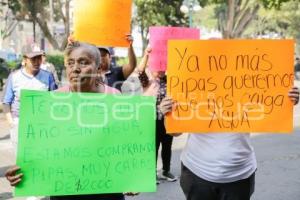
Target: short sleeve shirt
column 114, row 77
column 20, row 80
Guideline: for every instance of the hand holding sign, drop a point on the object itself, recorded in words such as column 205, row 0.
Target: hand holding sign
column 294, row 95
column 129, row 38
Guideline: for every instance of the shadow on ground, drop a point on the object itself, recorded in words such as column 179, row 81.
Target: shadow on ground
column 5, row 137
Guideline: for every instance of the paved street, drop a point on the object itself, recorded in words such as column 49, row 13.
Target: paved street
column 278, row 175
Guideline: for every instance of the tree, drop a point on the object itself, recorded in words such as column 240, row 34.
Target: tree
column 235, row 16
column 37, row 11
column 157, row 12
column 7, row 23
column 284, row 22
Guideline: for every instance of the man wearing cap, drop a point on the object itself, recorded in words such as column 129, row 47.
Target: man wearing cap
column 28, row 77
column 115, row 76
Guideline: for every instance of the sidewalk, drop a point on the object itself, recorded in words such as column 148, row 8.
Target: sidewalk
column 5, row 158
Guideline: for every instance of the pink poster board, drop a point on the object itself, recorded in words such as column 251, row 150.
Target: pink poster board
column 159, row 37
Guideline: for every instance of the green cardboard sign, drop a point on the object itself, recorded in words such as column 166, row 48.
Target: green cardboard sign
column 86, row 143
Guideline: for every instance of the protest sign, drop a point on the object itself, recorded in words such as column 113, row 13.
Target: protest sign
column 85, row 143
column 102, row 22
column 230, row 85
column 159, row 37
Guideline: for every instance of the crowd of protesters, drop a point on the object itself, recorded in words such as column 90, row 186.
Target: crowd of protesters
column 213, row 166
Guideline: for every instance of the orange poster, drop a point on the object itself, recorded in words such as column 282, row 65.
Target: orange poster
column 102, row 22
column 230, row 85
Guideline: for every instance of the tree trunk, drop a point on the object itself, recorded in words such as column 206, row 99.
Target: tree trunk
column 34, row 7
column 67, row 25
column 227, row 33
column 34, row 31
column 144, row 38
column 44, row 27
column 237, row 19
column 66, row 20
column 244, row 21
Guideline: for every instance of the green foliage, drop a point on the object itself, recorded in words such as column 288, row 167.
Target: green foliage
column 236, row 23
column 267, row 3
column 157, row 13
column 12, row 64
column 124, row 60
column 274, row 3
column 206, row 18
column 14, row 5
column 29, row 8
column 284, row 21
column 58, row 62
column 4, row 70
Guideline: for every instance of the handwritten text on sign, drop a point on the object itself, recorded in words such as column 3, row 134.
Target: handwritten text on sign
column 102, row 22
column 76, row 143
column 230, row 85
column 159, row 37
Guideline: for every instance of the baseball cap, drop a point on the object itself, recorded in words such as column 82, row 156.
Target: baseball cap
column 31, row 51
column 104, row 48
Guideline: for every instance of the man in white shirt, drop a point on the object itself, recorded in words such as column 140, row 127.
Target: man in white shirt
column 30, row 77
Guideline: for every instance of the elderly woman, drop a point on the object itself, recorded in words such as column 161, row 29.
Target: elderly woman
column 82, row 62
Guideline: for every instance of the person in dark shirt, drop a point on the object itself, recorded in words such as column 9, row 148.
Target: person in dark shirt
column 114, row 76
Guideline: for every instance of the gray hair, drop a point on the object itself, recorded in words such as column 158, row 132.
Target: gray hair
column 91, row 48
